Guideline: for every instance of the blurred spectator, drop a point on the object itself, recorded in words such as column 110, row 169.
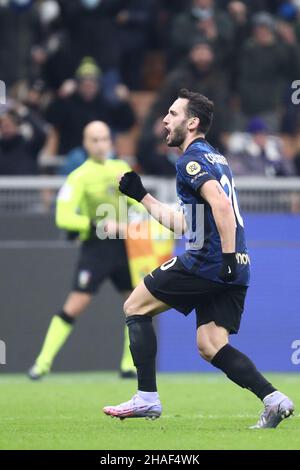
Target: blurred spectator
column 287, row 10
column 173, row 6
column 18, row 153
column 297, row 163
column 239, row 15
column 290, row 123
column 18, row 22
column 32, row 108
column 197, row 73
column 255, row 6
column 296, row 23
column 82, row 101
column 135, row 24
column 167, row 10
column 242, row 54
column 257, row 152
column 202, row 20
column 51, row 53
column 27, row 112
column 266, row 67
column 93, row 32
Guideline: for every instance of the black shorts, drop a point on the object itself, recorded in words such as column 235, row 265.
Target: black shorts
column 178, row 288
column 100, row 260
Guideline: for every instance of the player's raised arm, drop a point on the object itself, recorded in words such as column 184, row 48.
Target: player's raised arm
column 131, row 185
column 224, row 218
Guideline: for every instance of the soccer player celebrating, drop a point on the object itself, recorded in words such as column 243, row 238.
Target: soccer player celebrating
column 211, row 277
column 92, row 184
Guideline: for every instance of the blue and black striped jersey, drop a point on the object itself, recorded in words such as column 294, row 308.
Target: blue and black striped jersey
column 200, row 163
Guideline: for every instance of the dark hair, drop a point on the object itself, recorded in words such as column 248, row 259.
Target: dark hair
column 198, row 106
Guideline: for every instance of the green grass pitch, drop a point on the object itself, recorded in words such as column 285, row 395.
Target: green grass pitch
column 200, row 411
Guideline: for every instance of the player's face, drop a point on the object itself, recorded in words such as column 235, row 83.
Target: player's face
column 98, row 145
column 176, row 123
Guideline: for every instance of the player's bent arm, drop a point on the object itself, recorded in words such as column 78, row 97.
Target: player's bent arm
column 131, row 185
column 173, row 220
column 223, row 214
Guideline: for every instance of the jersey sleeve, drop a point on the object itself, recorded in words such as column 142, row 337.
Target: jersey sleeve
column 195, row 172
column 67, row 206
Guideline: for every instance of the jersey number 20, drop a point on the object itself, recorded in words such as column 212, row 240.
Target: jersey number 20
column 231, row 193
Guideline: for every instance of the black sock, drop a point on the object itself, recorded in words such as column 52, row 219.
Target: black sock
column 67, row 318
column 241, row 370
column 143, row 348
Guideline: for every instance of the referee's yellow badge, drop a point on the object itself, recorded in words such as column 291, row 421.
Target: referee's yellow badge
column 193, row 168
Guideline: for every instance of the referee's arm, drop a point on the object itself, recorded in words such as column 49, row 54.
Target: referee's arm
column 68, row 202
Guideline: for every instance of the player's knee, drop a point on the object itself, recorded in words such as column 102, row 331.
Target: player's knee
column 133, row 306
column 127, row 307
column 74, row 312
column 206, row 351
column 130, row 307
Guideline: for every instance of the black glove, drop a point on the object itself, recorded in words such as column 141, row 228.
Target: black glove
column 228, row 269
column 131, row 185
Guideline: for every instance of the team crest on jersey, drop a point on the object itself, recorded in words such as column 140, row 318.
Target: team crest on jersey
column 193, row 168
column 84, row 278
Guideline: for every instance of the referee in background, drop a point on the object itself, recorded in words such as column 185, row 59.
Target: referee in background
column 94, row 183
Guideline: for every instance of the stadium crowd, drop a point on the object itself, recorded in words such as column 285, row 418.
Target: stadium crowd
column 68, row 62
